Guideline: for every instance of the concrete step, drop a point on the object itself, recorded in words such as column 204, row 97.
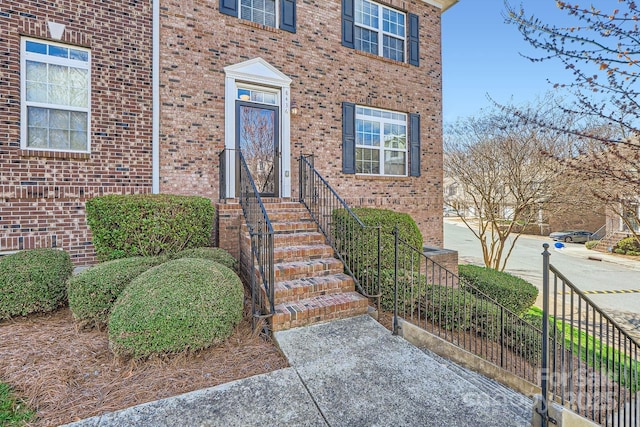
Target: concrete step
column 309, row 268
column 318, row 309
column 518, row 405
column 301, row 253
column 299, row 289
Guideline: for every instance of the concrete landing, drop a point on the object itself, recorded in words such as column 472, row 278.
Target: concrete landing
column 350, row 372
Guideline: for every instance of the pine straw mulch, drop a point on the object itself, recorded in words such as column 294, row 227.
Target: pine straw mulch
column 67, row 375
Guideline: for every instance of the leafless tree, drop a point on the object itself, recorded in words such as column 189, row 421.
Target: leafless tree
column 600, row 50
column 257, row 142
column 505, row 176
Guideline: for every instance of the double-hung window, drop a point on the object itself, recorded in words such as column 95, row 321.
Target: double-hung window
column 381, row 142
column 379, row 30
column 56, row 96
column 270, row 13
column 259, row 11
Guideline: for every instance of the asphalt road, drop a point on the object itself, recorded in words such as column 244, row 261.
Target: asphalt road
column 573, row 261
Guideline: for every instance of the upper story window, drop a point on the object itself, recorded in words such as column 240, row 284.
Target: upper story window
column 379, row 30
column 56, row 95
column 259, row 11
column 271, row 13
column 381, row 142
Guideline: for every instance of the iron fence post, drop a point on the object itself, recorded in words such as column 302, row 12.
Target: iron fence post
column 395, row 279
column 545, row 334
column 502, row 336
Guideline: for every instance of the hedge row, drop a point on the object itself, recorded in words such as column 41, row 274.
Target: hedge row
column 148, row 224
column 506, row 289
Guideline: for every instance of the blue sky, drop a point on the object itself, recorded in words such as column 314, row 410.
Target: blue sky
column 481, row 55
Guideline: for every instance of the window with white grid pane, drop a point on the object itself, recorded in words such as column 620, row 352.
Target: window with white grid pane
column 380, row 30
column 381, row 142
column 56, row 92
column 259, row 11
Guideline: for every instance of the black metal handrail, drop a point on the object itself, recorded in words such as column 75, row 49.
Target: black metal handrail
column 435, row 299
column 354, row 243
column 261, row 235
column 591, row 366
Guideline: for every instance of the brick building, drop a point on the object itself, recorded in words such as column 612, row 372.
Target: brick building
column 144, row 96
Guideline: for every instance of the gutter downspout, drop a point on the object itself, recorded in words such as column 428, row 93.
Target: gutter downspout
column 155, row 84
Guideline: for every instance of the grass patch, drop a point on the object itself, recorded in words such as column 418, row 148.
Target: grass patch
column 13, row 412
column 620, row 367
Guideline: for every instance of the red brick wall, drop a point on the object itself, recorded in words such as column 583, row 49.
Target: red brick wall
column 198, row 42
column 42, row 195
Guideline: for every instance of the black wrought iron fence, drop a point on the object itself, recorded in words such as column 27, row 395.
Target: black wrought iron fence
column 261, row 234
column 356, row 244
column 590, row 364
column 433, row 298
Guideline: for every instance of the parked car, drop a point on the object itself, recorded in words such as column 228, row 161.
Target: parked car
column 580, row 236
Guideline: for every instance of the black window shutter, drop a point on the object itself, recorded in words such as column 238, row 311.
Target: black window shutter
column 229, row 7
column 288, row 15
column 348, row 137
column 348, row 39
column 414, row 144
column 414, row 40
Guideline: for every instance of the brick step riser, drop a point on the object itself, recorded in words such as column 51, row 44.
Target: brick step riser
column 288, row 227
column 301, row 273
column 286, row 320
column 293, row 239
column 282, row 255
column 297, row 294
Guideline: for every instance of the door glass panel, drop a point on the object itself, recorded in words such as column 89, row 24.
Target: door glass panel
column 257, row 144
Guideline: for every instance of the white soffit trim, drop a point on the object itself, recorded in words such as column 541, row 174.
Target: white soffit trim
column 442, row 4
column 258, row 71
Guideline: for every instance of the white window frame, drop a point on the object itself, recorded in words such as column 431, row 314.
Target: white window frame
column 360, row 109
column 48, row 59
column 380, row 30
column 277, row 14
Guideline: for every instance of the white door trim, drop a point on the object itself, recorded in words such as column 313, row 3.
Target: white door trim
column 257, row 72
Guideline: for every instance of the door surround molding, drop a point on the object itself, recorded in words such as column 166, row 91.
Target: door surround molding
column 257, row 72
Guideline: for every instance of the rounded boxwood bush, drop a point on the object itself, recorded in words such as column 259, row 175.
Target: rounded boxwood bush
column 183, row 304
column 214, row 254
column 33, row 281
column 93, row 292
column 591, row 244
column 510, row 291
column 627, row 246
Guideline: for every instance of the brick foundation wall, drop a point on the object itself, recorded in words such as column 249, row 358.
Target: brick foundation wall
column 42, row 194
column 197, row 42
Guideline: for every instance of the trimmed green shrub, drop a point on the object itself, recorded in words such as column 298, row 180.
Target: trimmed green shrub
column 591, row 244
column 510, row 291
column 33, row 281
column 627, row 246
column 456, row 309
column 148, row 224
column 93, row 292
column 214, row 254
column 184, row 304
column 411, row 287
column 350, row 236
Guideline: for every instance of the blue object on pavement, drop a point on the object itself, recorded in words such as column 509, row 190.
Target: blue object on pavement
column 558, row 245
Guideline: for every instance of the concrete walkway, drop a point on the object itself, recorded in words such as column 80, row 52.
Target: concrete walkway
column 350, row 372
